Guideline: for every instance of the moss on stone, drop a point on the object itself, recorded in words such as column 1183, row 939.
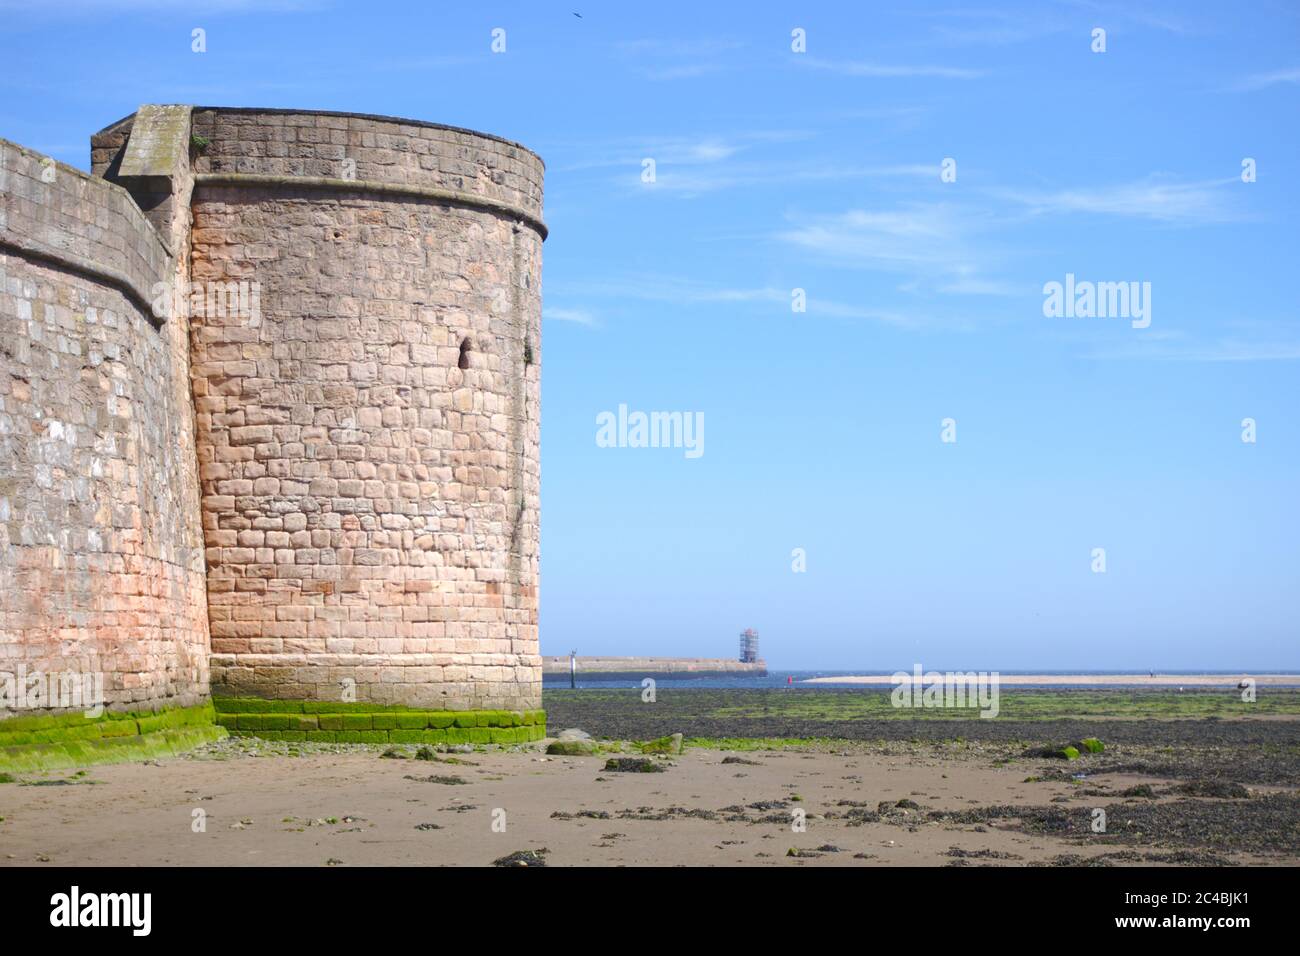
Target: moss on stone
column 73, row 740
column 28, row 724
column 672, row 744
column 153, row 724
column 335, row 722
column 122, row 729
column 363, row 737
column 418, row 736
column 257, row 705
column 59, row 728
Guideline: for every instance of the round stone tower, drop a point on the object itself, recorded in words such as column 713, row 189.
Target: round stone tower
column 367, row 401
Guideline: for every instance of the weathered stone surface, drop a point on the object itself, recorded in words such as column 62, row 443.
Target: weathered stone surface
column 159, row 144
column 396, row 409
column 101, row 549
column 352, row 452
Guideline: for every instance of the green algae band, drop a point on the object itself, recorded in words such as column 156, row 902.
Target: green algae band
column 37, row 743
column 365, row 723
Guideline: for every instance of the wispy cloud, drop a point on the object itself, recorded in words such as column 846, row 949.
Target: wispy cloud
column 977, row 285
column 1220, row 350
column 978, row 26
column 674, row 150
column 682, row 71
column 677, row 47
column 677, row 59
column 81, row 8
column 933, row 243
column 688, row 167
column 577, row 316
column 891, row 71
column 688, row 182
column 1234, row 340
column 1260, row 81
column 1153, row 198
column 1143, row 15
column 766, row 299
column 418, row 64
column 986, row 27
column 952, row 248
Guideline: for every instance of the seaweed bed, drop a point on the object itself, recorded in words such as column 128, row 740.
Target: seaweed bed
column 852, row 715
column 1266, row 824
column 1259, row 752
column 1209, row 762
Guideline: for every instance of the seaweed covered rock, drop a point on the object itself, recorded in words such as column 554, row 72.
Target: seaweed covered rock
column 672, row 744
column 573, row 748
column 1068, row 752
column 572, row 733
column 523, row 858
column 632, row 765
column 1220, row 789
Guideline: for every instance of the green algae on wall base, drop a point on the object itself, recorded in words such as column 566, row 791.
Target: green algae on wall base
column 53, row 742
column 366, row 723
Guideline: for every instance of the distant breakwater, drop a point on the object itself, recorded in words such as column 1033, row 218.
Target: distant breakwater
column 598, row 667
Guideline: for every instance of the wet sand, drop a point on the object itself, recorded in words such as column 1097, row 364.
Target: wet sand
column 355, row 808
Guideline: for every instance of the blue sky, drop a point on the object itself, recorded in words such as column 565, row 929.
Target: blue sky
column 820, row 170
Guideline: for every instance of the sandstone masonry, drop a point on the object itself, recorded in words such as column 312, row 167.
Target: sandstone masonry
column 320, row 484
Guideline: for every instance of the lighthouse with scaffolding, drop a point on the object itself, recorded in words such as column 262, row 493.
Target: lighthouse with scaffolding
column 749, row 646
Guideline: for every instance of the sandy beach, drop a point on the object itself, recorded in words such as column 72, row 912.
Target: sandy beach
column 772, row 778
column 811, row 777
column 860, row 806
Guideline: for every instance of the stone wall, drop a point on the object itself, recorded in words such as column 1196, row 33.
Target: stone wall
column 349, row 450
column 372, row 149
column 369, row 444
column 101, row 560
